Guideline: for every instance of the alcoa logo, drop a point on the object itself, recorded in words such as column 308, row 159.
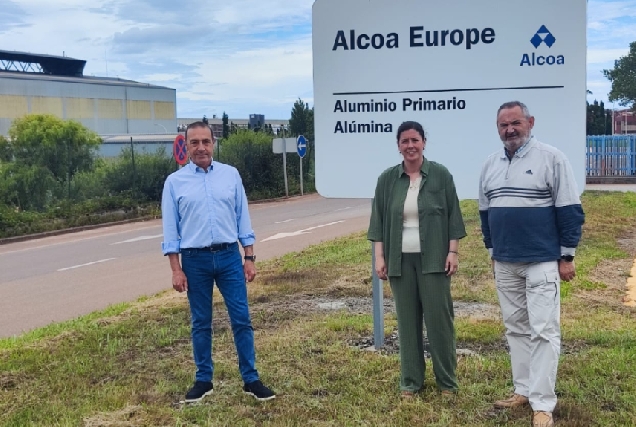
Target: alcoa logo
column 542, row 37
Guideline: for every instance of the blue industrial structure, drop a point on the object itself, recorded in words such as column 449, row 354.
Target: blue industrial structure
column 611, row 156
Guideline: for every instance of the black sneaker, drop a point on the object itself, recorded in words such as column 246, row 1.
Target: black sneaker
column 259, row 391
column 199, row 391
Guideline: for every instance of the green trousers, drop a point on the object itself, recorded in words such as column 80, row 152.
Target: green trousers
column 426, row 295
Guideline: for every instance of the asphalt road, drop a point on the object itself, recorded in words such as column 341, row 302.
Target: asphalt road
column 59, row 278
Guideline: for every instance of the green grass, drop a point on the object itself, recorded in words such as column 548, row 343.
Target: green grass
column 130, row 365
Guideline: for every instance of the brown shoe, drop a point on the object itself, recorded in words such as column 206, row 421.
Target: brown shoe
column 542, row 419
column 515, row 401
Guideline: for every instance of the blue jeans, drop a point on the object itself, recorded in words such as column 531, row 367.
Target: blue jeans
column 225, row 267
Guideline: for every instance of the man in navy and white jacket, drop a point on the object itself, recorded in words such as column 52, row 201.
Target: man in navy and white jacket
column 531, row 219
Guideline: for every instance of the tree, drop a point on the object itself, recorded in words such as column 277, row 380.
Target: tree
column 152, row 170
column 5, row 156
column 261, row 170
column 226, row 128
column 62, row 147
column 623, row 78
column 302, row 123
column 302, row 120
column 27, row 187
column 599, row 120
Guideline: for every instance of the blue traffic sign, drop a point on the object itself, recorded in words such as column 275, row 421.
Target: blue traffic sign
column 301, row 146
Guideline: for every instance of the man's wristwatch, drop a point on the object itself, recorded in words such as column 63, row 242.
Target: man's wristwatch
column 567, row 258
column 250, row 258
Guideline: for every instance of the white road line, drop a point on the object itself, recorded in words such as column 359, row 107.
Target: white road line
column 137, row 239
column 74, row 240
column 282, row 222
column 86, row 265
column 343, row 209
column 299, row 232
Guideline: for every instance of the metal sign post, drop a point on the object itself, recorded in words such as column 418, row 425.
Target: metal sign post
column 284, row 146
column 378, row 304
column 285, row 165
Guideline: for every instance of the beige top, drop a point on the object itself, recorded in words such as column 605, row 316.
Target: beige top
column 411, row 225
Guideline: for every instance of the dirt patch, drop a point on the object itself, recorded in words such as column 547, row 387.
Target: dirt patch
column 464, row 348
column 612, row 276
column 364, row 305
column 10, row 380
column 128, row 416
column 270, row 312
column 628, row 243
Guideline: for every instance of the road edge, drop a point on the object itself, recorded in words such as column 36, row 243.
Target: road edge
column 35, row 236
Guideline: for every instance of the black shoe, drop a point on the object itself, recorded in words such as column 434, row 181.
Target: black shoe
column 199, row 391
column 259, row 391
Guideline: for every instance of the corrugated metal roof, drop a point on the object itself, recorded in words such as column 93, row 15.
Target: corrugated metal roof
column 109, row 81
column 50, row 64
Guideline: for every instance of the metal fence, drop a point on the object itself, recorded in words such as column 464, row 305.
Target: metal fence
column 611, row 155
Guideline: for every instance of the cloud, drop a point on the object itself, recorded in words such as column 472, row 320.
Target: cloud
column 239, row 56
column 611, row 23
column 603, row 56
column 11, row 16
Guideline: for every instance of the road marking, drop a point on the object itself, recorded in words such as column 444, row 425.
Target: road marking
column 282, row 222
column 87, row 264
column 99, row 236
column 299, row 232
column 138, row 239
column 343, row 209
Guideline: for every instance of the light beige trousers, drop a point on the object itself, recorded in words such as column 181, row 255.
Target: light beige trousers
column 529, row 295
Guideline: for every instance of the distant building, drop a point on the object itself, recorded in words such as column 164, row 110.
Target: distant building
column 624, row 122
column 57, row 85
column 217, row 124
column 256, row 121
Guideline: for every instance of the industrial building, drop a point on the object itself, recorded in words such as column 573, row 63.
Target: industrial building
column 123, row 112
column 624, row 122
column 45, row 84
column 216, row 124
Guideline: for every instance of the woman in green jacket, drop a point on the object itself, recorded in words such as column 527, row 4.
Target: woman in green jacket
column 416, row 224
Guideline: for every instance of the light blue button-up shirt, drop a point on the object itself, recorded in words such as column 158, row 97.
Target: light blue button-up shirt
column 200, row 209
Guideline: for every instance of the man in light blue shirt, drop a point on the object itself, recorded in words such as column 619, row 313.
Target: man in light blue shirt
column 204, row 213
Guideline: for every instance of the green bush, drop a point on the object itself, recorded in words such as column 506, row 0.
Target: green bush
column 261, row 170
column 26, row 187
column 86, row 185
column 144, row 180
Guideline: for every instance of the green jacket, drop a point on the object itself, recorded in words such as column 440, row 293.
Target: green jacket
column 440, row 216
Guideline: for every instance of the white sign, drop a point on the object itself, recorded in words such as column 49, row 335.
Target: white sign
column 448, row 65
column 288, row 143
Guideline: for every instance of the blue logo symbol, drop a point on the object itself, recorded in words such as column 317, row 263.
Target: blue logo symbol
column 542, row 36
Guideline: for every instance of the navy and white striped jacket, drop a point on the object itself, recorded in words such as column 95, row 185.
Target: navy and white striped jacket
column 529, row 206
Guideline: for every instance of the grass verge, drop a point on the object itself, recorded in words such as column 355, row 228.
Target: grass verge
column 131, row 364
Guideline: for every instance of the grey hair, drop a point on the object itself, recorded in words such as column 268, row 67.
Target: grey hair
column 513, row 104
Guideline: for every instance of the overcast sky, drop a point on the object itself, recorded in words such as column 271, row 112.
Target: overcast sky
column 239, row 56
